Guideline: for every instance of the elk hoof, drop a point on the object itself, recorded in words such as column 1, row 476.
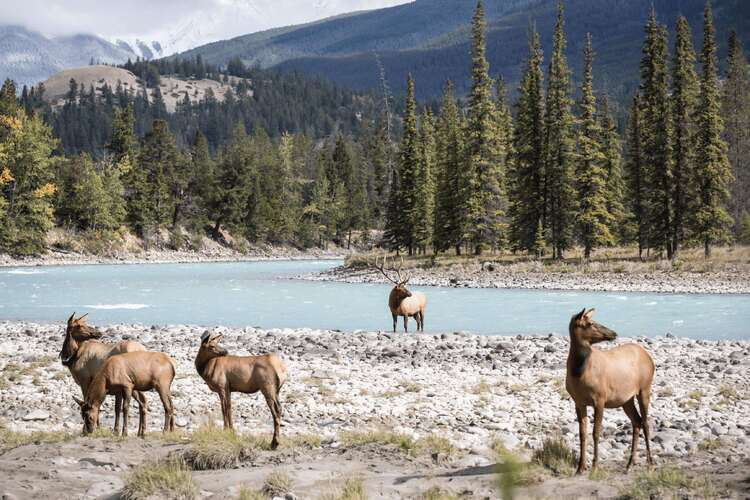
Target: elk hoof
column 274, row 444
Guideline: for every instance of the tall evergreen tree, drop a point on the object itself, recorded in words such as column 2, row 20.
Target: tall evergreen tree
column 122, row 140
column 592, row 215
column 425, row 200
column 559, row 145
column 684, row 98
column 452, row 182
column 526, row 178
column 482, row 144
column 505, row 134
column 636, row 177
column 614, row 188
column 736, row 113
column 657, row 136
column 713, row 174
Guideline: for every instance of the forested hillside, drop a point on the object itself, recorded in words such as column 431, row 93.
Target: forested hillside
column 430, row 39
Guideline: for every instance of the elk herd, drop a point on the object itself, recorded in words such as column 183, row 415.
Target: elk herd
column 613, row 378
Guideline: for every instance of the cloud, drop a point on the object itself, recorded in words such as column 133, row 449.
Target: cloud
column 145, row 18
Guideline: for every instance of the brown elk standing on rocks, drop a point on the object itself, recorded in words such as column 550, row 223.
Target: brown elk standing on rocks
column 226, row 374
column 124, row 374
column 84, row 356
column 403, row 302
column 607, row 379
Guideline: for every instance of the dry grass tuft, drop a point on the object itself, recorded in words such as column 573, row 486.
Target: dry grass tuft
column 438, row 493
column 165, row 479
column 556, row 456
column 278, row 484
column 215, row 448
column 669, row 482
column 352, row 489
column 513, row 472
column 246, row 493
column 13, row 439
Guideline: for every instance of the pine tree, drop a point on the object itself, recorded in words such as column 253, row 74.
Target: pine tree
column 526, row 178
column 592, row 215
column 684, row 99
column 614, row 188
column 736, row 112
column 452, row 183
column 636, row 176
column 657, row 136
column 122, row 141
column 743, row 235
column 8, row 104
column 505, row 131
column 425, row 210
column 713, row 174
column 559, row 146
column 482, row 148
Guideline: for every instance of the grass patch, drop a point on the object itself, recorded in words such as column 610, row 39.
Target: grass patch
column 599, row 474
column 390, row 394
column 728, row 392
column 359, row 438
column 710, row 444
column 482, row 387
column 167, row 479
column 278, row 484
column 13, row 439
column 669, row 482
column 438, row 493
column 352, row 489
column 409, row 386
column 246, row 493
column 667, row 392
column 512, row 472
column 215, row 448
column 556, row 456
column 696, row 395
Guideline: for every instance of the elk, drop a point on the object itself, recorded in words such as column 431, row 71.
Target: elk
column 225, row 374
column 607, row 379
column 401, row 301
column 122, row 375
column 84, row 356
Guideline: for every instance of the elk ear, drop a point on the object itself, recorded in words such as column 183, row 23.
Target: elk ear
column 588, row 314
column 72, row 318
column 80, row 402
column 82, row 319
column 579, row 316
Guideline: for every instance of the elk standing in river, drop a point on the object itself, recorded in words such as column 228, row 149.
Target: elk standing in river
column 403, row 302
column 607, row 379
column 84, row 356
column 226, row 374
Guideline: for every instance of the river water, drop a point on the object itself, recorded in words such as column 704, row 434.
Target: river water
column 264, row 294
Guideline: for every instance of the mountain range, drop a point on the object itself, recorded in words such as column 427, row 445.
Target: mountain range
column 430, row 39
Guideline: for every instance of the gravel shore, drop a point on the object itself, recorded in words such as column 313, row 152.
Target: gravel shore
column 496, row 277
column 469, row 388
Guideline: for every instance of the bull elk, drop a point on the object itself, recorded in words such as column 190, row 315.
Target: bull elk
column 607, row 379
column 122, row 375
column 84, row 356
column 226, row 374
column 401, row 301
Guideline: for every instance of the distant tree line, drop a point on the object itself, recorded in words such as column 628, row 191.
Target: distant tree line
column 551, row 174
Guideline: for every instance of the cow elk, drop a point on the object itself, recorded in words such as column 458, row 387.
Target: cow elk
column 84, row 356
column 607, row 379
column 122, row 375
column 225, row 374
column 401, row 301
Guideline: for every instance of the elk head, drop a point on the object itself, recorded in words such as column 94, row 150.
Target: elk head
column 400, row 292
column 76, row 333
column 585, row 330
column 210, row 347
column 89, row 414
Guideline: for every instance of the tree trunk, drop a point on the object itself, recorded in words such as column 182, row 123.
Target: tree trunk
column 458, row 249
column 707, row 248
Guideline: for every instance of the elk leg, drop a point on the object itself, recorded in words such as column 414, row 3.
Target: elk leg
column 166, row 401
column 635, row 419
column 142, row 410
column 598, row 416
column 421, row 320
column 126, row 394
column 395, row 321
column 583, row 421
column 406, row 323
column 275, row 407
column 223, row 401
column 118, row 409
column 644, row 397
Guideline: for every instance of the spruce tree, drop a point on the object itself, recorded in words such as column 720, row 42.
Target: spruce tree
column 526, row 177
column 559, row 146
column 592, row 215
column 656, row 137
column 482, row 148
column 712, row 171
column 636, row 178
column 736, row 113
column 425, row 209
column 684, row 98
column 452, row 183
column 614, row 189
column 506, row 153
column 122, row 140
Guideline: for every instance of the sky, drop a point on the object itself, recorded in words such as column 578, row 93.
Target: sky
column 159, row 19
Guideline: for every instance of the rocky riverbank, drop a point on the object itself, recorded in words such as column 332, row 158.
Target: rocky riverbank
column 473, row 390
column 164, row 256
column 489, row 276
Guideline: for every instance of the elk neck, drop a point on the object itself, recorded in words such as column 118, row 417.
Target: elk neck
column 578, row 356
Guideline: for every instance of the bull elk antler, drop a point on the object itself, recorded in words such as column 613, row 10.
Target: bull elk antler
column 382, row 269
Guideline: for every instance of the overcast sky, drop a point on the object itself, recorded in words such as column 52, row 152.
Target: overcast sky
column 144, row 18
